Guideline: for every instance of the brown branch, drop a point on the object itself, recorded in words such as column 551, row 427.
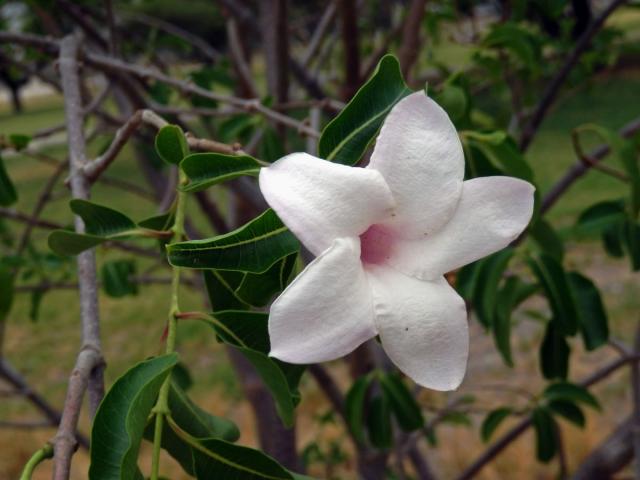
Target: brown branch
column 349, row 30
column 17, row 381
column 503, row 442
column 87, row 374
column 275, row 35
column 318, row 35
column 553, row 88
column 579, row 168
column 410, row 46
column 239, row 61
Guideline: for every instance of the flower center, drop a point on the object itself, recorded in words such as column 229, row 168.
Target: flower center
column 376, row 245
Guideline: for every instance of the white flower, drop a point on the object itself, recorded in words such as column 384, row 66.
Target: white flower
column 384, row 236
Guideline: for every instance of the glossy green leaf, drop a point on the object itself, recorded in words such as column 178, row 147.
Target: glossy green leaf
column 215, row 459
column 505, row 303
column 121, row 419
column 570, row 392
column 546, row 438
column 171, row 144
column 118, row 278
column 160, row 223
column 253, row 247
column 402, row 402
column 553, row 280
column 592, row 316
column 221, row 290
column 207, row 169
column 258, row 289
column 379, row 422
column 8, row 194
column 101, row 224
column 505, row 156
column 490, row 276
column 354, row 406
column 600, row 216
column 547, row 239
column 193, row 420
column 492, row 421
column 248, row 333
column 568, row 410
column 345, row 139
column 554, row 353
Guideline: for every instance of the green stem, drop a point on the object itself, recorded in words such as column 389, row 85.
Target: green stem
column 161, row 408
column 43, row 454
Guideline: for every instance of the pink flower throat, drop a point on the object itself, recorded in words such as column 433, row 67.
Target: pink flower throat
column 376, row 245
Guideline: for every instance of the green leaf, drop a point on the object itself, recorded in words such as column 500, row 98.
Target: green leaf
column 253, row 247
column 222, row 291
column 570, row 392
column 402, row 403
column 546, row 439
column 568, row 410
column 345, row 139
column 631, row 238
column 453, row 99
column 489, row 279
column 547, row 239
column 248, row 333
column 516, row 39
column 554, row 282
column 505, row 156
column 159, row 223
column 354, row 406
column 193, row 420
column 207, row 169
column 258, row 289
column 554, row 353
column 379, row 422
column 505, row 303
column 592, row 317
column 122, row 416
column 171, row 144
column 19, row 141
column 117, row 278
column 627, row 153
column 492, row 421
column 8, row 194
column 219, row 459
column 101, row 224
column 601, row 216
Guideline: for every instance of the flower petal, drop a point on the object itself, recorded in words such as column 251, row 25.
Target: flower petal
column 420, row 156
column 492, row 212
column 327, row 310
column 321, row 201
column 423, row 327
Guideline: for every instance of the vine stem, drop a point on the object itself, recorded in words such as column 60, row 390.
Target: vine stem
column 161, row 408
column 41, row 455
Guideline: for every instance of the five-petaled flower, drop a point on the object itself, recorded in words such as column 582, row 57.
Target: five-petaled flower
column 383, row 237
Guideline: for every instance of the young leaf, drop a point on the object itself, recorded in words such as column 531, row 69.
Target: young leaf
column 117, row 278
column 207, row 169
column 592, row 317
column 554, row 353
column 570, row 392
column 122, row 416
column 253, row 247
column 493, row 421
column 101, row 224
column 354, row 406
column 553, row 279
column 402, row 402
column 546, row 440
column 347, row 136
column 219, row 459
column 379, row 422
column 171, row 144
column 8, row 195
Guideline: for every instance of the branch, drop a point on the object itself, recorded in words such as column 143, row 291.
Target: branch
column 273, row 22
column 556, row 83
column 88, row 371
column 494, row 450
column 580, row 168
column 410, row 47
column 318, row 35
column 349, row 29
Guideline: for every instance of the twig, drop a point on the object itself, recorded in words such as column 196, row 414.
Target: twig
column 410, row 46
column 88, row 371
column 318, row 35
column 580, row 168
column 41, row 455
column 349, row 30
column 591, row 162
column 237, row 55
column 556, row 83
